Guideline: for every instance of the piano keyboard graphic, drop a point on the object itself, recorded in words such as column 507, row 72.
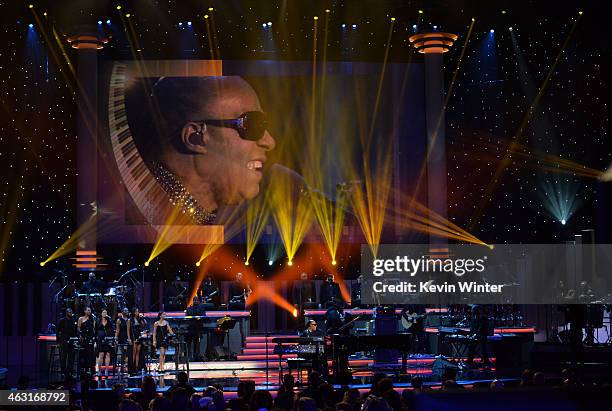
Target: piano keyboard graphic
column 140, row 183
column 148, row 195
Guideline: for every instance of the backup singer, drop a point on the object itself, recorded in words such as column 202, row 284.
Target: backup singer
column 136, row 326
column 161, row 333
column 104, row 331
column 66, row 329
column 122, row 336
column 87, row 331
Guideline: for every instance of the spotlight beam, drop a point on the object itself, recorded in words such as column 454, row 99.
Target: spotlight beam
column 505, row 162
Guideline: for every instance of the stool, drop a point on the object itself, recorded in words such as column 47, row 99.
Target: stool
column 300, row 365
column 55, row 364
column 181, row 354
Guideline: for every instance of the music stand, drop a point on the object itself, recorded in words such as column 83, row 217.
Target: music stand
column 225, row 324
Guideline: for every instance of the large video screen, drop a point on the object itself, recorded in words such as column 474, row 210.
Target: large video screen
column 201, row 149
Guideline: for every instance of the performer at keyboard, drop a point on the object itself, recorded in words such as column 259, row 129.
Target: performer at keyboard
column 329, row 293
column 137, row 325
column 121, row 335
column 304, row 292
column 209, row 291
column 480, row 329
column 162, row 332
column 67, row 329
column 93, row 285
column 175, row 295
column 239, row 291
column 86, row 326
column 104, row 341
column 311, row 330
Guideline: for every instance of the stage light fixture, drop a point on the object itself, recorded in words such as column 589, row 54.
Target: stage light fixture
column 414, row 26
column 492, row 31
column 327, row 10
column 206, row 16
column 270, row 262
column 392, row 18
column 563, row 221
column 99, row 22
column 334, row 262
column 211, row 8
column 295, row 312
column 420, row 11
column 118, row 7
column 197, row 264
column 580, row 12
column 269, row 24
column 354, row 26
column 146, row 264
column 30, row 6
column 45, row 14
column 473, row 19
column 30, row 25
column 503, row 11
column 42, row 263
column 289, row 263
column 316, row 17
column 510, row 28
column 264, row 25
column 246, row 262
column 108, row 21
column 128, row 15
column 343, row 25
column 180, row 24
column 435, row 27
column 189, row 23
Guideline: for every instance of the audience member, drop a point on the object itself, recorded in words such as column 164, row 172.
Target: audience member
column 182, row 381
column 129, row 405
column 162, row 404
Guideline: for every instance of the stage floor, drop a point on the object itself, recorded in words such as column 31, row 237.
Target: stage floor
column 229, row 373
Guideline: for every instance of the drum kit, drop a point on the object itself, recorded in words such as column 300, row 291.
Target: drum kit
column 116, row 296
column 113, row 300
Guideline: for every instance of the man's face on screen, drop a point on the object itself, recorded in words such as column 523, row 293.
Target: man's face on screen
column 232, row 165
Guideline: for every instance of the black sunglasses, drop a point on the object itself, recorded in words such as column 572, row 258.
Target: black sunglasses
column 251, row 125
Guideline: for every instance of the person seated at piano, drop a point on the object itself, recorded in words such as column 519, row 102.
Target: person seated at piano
column 329, row 293
column 311, row 330
column 239, row 291
column 209, row 291
column 93, row 285
column 304, row 292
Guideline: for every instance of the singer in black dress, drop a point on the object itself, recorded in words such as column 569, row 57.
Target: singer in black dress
column 137, row 325
column 104, row 336
column 87, row 331
column 161, row 333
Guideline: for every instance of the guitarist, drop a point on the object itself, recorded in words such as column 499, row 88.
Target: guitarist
column 412, row 319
